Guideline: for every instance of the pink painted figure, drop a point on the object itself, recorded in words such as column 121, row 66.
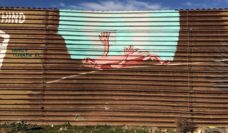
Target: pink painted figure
column 104, row 38
column 132, row 56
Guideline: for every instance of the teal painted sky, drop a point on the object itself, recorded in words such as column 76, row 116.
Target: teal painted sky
column 157, row 33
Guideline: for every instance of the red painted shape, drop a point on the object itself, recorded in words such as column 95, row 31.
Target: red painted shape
column 132, row 57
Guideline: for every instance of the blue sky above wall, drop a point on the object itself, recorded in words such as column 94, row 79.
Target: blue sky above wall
column 117, row 4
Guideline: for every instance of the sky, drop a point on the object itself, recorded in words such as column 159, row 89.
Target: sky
column 116, row 5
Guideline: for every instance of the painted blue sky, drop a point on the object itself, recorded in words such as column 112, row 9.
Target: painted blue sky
column 117, row 4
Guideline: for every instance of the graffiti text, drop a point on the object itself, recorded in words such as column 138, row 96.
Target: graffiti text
column 12, row 17
column 20, row 52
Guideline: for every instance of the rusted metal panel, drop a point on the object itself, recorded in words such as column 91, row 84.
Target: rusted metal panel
column 136, row 68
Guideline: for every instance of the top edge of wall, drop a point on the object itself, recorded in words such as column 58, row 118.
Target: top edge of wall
column 75, row 10
column 26, row 8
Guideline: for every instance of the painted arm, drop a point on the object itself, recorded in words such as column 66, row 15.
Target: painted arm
column 104, row 38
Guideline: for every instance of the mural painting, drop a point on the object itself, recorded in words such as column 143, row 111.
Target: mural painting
column 136, row 68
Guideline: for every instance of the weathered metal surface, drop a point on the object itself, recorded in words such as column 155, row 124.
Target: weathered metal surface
column 135, row 68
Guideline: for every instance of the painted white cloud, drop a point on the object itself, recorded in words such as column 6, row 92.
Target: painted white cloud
column 115, row 5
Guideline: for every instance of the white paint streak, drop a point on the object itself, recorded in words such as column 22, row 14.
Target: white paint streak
column 71, row 76
column 222, row 60
column 3, row 46
column 185, row 63
column 84, row 73
column 106, row 108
